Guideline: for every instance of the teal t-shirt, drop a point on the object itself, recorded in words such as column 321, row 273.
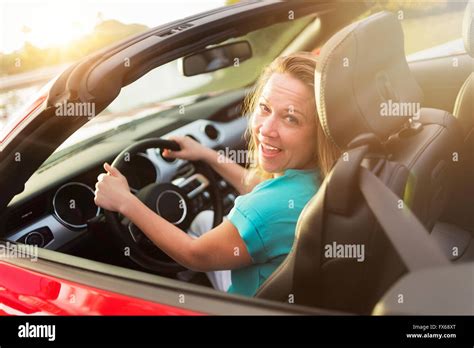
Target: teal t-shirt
column 266, row 220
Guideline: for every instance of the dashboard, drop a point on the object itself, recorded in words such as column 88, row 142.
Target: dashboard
column 53, row 215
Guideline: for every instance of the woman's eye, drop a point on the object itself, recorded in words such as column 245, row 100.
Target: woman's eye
column 291, row 119
column 264, row 108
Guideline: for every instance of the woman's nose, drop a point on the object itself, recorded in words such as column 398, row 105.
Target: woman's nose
column 269, row 126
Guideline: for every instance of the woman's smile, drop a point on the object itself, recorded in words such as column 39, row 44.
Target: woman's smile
column 268, row 151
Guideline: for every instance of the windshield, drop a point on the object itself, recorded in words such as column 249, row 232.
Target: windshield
column 166, row 87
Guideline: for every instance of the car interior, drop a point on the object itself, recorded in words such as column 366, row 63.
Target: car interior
column 428, row 162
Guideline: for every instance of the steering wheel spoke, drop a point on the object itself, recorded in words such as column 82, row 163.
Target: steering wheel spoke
column 128, row 225
column 135, row 233
column 124, row 221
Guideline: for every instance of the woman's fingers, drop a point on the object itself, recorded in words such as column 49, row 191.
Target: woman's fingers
column 112, row 170
column 111, row 189
column 189, row 148
column 168, row 153
column 101, row 175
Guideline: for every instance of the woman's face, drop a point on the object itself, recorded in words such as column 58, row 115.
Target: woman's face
column 284, row 125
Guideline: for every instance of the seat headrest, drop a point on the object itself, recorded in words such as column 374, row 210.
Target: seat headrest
column 468, row 28
column 363, row 69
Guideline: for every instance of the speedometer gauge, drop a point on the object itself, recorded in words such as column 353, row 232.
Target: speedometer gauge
column 74, row 204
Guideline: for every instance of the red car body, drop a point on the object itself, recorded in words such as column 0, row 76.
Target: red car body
column 25, row 292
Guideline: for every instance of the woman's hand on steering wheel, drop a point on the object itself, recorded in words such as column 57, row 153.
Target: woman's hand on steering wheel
column 191, row 150
column 111, row 190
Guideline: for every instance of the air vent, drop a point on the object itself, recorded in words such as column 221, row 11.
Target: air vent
column 211, row 132
column 185, row 171
column 27, row 213
column 175, row 30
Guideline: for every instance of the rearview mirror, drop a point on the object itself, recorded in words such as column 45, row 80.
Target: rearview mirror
column 216, row 58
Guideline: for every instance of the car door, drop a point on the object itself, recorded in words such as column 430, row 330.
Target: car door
column 51, row 283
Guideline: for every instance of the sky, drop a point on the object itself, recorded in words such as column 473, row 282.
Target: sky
column 47, row 23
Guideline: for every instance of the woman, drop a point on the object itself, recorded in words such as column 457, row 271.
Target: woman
column 289, row 156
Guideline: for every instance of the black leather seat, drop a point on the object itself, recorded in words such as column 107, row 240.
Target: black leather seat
column 461, row 214
column 363, row 69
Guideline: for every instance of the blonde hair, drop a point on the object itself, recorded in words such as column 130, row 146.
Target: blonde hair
column 300, row 65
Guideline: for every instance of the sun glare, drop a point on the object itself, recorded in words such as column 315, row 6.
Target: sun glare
column 60, row 32
column 47, row 24
column 59, row 27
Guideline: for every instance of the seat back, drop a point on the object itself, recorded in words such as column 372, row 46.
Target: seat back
column 464, row 112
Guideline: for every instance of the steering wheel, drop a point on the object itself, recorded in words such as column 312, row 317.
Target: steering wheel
column 178, row 204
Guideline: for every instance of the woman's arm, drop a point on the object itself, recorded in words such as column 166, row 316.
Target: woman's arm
column 232, row 172
column 228, row 169
column 220, row 248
